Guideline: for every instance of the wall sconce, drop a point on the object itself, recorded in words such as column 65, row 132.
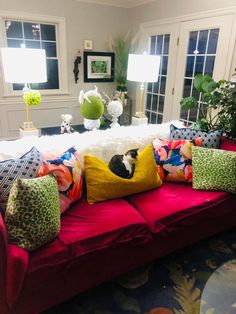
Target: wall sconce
column 76, row 67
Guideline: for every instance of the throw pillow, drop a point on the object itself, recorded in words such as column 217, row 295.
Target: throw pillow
column 67, row 169
column 214, row 169
column 211, row 139
column 26, row 167
column 33, row 213
column 174, row 159
column 103, row 184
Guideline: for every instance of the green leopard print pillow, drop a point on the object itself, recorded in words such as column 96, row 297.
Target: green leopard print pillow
column 214, row 169
column 33, row 212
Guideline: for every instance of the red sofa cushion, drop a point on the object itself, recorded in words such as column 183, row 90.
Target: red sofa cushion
column 227, row 144
column 86, row 228
column 173, row 202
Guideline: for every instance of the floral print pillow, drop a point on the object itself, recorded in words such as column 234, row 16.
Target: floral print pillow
column 174, row 159
column 67, row 168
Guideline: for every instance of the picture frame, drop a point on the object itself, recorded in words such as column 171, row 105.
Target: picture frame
column 99, row 66
column 88, row 44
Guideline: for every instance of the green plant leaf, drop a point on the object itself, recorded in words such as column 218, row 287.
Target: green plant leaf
column 126, row 303
column 198, row 79
column 207, row 84
column 188, row 102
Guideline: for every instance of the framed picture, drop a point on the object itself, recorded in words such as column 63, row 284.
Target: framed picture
column 99, row 66
column 88, row 44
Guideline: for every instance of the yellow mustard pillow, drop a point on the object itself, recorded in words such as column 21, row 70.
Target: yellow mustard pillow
column 103, row 184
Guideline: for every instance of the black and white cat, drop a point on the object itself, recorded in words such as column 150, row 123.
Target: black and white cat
column 124, row 165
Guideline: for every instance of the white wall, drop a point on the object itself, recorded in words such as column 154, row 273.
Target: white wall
column 83, row 21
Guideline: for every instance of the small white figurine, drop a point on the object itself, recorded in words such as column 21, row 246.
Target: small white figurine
column 66, row 123
column 93, row 92
column 115, row 109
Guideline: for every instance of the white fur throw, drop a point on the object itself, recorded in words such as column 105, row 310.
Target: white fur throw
column 101, row 143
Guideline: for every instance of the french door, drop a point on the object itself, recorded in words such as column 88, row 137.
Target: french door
column 186, row 49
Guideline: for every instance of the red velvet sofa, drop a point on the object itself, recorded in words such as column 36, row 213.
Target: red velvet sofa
column 101, row 241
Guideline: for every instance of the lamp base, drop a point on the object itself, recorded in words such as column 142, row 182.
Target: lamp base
column 139, row 120
column 28, row 129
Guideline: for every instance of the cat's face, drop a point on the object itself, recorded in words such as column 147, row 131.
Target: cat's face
column 133, row 153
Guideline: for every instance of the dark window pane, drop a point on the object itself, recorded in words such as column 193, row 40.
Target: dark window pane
column 166, row 44
column 156, row 87
column 189, row 66
column 159, row 44
column 199, row 65
column 203, row 111
column 210, row 61
column 148, row 115
column 202, row 41
column 192, row 42
column 195, row 93
column 213, row 39
column 159, row 119
column 163, row 85
column 153, row 44
column 13, row 29
column 14, row 43
column 153, row 118
column 31, row 31
column 154, row 103
column 51, row 49
column 187, row 87
column 149, row 89
column 17, row 86
column 149, row 99
column 48, row 32
column 164, row 61
column 52, row 73
column 161, row 104
column 193, row 114
column 183, row 114
column 32, row 44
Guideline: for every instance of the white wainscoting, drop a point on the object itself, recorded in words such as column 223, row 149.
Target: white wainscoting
column 48, row 113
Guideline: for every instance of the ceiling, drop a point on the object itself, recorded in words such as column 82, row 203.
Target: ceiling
column 119, row 3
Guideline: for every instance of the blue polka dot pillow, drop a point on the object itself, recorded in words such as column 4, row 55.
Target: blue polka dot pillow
column 210, row 140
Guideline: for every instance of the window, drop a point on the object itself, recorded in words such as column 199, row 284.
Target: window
column 40, row 33
column 200, row 59
column 159, row 45
column 189, row 45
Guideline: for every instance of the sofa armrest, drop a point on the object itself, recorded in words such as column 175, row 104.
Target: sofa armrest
column 3, row 260
column 17, row 265
column 227, row 144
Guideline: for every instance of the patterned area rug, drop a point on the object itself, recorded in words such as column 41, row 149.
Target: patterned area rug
column 197, row 279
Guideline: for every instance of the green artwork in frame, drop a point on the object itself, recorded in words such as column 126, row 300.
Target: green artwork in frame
column 99, row 66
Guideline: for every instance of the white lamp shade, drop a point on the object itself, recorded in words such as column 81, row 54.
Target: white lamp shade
column 24, row 65
column 143, row 68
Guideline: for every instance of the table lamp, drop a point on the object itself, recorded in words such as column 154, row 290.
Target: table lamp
column 24, row 65
column 142, row 68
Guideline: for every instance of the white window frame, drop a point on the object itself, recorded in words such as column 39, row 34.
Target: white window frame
column 172, row 109
column 60, row 24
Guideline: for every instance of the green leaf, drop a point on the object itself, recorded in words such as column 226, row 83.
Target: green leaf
column 126, row 303
column 188, row 102
column 206, row 84
column 201, row 82
column 198, row 82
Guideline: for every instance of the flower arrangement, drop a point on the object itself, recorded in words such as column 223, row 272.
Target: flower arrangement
column 31, row 98
column 220, row 99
